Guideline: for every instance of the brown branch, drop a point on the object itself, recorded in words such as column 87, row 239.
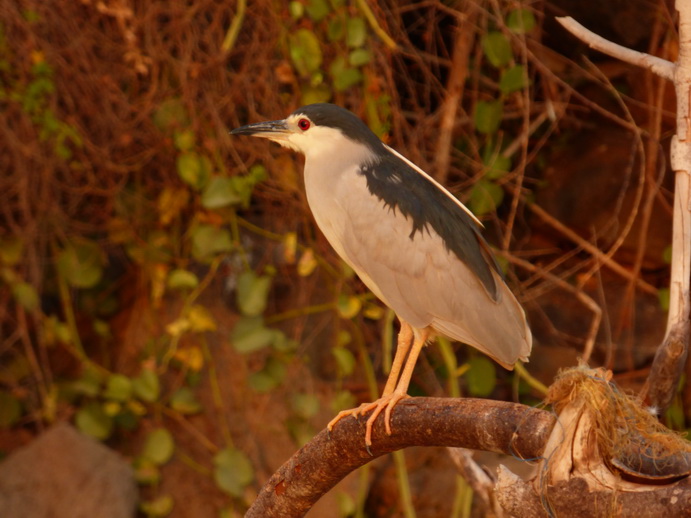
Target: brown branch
column 478, row 424
column 661, row 67
column 454, row 90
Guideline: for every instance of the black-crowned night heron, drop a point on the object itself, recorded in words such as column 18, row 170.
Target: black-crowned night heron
column 411, row 242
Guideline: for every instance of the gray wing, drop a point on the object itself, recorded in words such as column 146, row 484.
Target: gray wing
column 425, row 283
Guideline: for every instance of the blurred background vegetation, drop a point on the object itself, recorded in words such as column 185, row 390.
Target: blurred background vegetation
column 164, row 288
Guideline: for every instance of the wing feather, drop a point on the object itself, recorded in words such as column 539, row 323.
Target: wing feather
column 424, row 282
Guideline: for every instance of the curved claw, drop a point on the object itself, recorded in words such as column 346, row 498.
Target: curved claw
column 384, row 403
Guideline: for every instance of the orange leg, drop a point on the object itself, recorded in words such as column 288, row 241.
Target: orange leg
column 396, row 385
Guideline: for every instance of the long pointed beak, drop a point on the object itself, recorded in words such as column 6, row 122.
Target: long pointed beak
column 274, row 130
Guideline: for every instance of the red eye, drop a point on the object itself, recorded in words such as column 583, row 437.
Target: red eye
column 304, row 124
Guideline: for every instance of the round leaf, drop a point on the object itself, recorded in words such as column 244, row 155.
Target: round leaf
column 305, row 51
column 356, row 32
column 521, row 21
column 233, row 471
column 81, row 264
column 11, row 250
column 481, row 377
column 25, row 294
column 182, row 280
column 158, row 507
column 485, row 197
column 305, row 405
column 159, row 446
column 488, row 115
column 194, row 169
column 92, row 420
column 513, row 79
column 254, row 340
column 200, row 319
column 185, row 402
column 317, row 9
column 345, row 360
column 348, row 307
column 118, row 388
column 184, row 140
column 497, row 49
column 208, row 240
column 252, row 293
column 359, row 57
column 221, row 192
column 146, row 386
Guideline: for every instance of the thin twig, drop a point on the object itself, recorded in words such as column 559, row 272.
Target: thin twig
column 661, row 67
column 454, row 91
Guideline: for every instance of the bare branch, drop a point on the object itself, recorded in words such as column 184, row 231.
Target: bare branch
column 479, row 424
column 659, row 66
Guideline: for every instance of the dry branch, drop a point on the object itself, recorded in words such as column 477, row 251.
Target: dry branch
column 672, row 353
column 478, row 424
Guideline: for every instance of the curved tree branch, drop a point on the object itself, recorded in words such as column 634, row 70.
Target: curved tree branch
column 479, row 424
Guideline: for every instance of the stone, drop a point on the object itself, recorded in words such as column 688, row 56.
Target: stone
column 66, row 473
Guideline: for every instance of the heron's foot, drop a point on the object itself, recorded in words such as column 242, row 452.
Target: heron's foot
column 383, row 404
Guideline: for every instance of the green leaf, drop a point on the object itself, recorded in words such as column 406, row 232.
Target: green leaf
column 488, row 115
column 147, row 386
column 667, row 254
column 158, row 507
column 185, row 402
column 25, row 294
column 92, row 420
column 496, row 165
column 89, row 384
column 232, row 471
column 305, row 51
column 263, row 382
column 513, row 79
column 481, row 377
column 11, row 250
column 81, row 264
column 342, row 400
column 253, row 293
column 344, row 359
column 194, row 169
column 348, row 306
column 305, row 405
column 220, row 192
column 184, row 140
column 346, row 78
column 146, row 472
column 171, row 115
column 356, row 32
column 317, row 9
column 315, row 94
column 118, row 388
column 359, row 57
column 248, row 338
column 200, row 319
column 336, row 29
column 520, row 21
column 10, row 409
column 485, row 197
column 209, row 241
column 296, row 9
column 182, row 280
column 158, row 446
column 497, row 49
column 269, row 377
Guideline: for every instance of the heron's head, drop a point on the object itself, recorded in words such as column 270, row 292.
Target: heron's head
column 319, row 130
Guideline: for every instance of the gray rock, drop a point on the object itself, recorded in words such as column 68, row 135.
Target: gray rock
column 64, row 473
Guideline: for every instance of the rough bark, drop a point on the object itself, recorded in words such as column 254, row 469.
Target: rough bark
column 469, row 423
